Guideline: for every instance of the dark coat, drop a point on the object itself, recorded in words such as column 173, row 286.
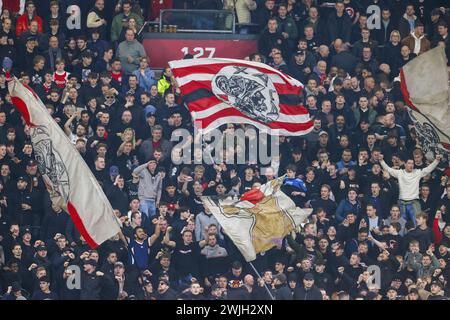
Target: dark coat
column 335, row 32
column 283, row 293
column 301, row 293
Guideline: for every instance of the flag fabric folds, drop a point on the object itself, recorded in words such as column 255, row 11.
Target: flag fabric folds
column 259, row 220
column 72, row 185
column 425, row 87
column 220, row 91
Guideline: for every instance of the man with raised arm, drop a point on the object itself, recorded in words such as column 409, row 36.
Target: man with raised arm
column 408, row 180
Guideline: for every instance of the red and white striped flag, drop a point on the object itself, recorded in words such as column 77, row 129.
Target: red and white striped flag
column 72, row 183
column 220, row 91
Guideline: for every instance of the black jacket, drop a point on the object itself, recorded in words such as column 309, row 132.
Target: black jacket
column 170, row 294
column 391, row 55
column 91, row 286
column 301, row 293
column 268, row 40
column 383, row 34
column 118, row 198
column 339, row 27
column 283, row 293
column 110, row 289
column 345, row 60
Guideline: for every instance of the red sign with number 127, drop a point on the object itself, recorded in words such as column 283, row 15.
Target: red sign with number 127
column 160, row 51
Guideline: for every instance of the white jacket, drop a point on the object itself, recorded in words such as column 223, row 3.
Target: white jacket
column 409, row 181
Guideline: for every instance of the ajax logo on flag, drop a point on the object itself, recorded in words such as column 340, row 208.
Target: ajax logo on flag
column 248, row 90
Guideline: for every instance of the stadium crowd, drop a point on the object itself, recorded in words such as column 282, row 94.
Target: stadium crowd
column 377, row 201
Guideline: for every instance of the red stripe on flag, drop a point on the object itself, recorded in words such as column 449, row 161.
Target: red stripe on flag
column 405, row 91
column 195, row 85
column 20, row 104
column 283, row 89
column 407, row 97
column 293, row 110
column 80, row 226
column 292, row 127
column 446, row 145
column 203, row 104
column 31, row 90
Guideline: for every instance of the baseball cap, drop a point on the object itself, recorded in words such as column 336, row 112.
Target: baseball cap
column 391, row 288
column 92, row 262
column 21, row 178
column 322, row 133
column 149, row 110
column 32, row 163
column 171, row 206
column 300, row 53
column 114, row 171
column 31, row 38
column 25, row 231
column 146, row 282
column 371, row 295
column 16, row 287
column 7, row 63
column 308, row 276
column 119, row 264
column 67, row 249
column 41, row 248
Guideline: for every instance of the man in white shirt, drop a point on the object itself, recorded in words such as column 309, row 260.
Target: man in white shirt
column 408, row 181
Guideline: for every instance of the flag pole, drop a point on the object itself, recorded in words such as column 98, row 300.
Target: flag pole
column 259, row 276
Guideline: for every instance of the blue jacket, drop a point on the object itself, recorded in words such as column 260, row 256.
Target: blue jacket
column 344, row 207
column 147, row 80
column 296, row 183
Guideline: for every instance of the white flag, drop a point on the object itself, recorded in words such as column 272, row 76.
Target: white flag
column 259, row 220
column 425, row 87
column 62, row 167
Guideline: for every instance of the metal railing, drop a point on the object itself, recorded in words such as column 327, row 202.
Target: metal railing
column 198, row 21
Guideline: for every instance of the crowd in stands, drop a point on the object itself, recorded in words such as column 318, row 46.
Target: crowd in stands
column 378, row 203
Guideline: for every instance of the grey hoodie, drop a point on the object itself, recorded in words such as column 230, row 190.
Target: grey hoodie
column 150, row 186
column 214, row 252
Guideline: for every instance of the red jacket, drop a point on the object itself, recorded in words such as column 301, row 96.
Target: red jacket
column 13, row 6
column 158, row 5
column 437, row 232
column 22, row 24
